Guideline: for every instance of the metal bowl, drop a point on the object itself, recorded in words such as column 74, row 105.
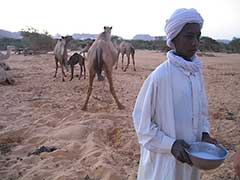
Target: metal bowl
column 206, row 156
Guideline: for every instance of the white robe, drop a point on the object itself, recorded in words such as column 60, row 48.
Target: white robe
column 171, row 105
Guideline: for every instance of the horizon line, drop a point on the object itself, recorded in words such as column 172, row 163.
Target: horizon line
column 119, row 35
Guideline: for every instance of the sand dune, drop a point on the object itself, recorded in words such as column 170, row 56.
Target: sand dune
column 100, row 143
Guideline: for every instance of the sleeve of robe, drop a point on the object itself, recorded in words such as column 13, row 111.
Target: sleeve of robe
column 149, row 134
column 206, row 124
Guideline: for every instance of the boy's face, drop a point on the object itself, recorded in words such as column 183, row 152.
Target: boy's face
column 187, row 41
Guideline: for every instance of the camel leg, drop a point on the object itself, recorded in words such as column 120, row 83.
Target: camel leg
column 128, row 57
column 56, row 61
column 122, row 60
column 134, row 68
column 116, row 66
column 103, row 87
column 91, row 77
column 72, row 71
column 84, row 71
column 109, row 76
column 63, row 73
column 62, row 66
column 117, row 60
column 80, row 75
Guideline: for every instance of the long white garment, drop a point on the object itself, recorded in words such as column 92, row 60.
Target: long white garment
column 171, row 105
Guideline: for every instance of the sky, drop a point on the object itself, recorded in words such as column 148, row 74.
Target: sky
column 127, row 17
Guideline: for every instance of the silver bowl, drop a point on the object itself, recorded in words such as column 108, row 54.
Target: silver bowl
column 206, row 156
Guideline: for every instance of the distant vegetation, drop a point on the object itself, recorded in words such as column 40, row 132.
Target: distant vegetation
column 234, row 45
column 37, row 41
column 207, row 44
column 31, row 39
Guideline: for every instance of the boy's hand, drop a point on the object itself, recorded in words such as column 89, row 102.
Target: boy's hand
column 178, row 151
column 207, row 138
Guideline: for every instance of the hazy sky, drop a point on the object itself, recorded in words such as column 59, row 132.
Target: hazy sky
column 128, row 17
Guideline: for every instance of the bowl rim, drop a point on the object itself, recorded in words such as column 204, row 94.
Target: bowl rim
column 220, row 158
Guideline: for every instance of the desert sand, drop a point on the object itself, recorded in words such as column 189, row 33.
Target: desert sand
column 100, row 143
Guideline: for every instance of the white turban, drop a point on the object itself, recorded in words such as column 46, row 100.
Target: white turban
column 178, row 20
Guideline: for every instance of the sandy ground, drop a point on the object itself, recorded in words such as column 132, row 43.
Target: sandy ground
column 99, row 143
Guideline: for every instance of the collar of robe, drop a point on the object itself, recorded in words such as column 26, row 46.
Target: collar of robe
column 189, row 67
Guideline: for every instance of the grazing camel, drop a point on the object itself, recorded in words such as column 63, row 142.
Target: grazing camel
column 102, row 55
column 60, row 53
column 128, row 49
column 77, row 59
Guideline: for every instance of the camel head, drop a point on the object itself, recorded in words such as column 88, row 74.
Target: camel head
column 107, row 29
column 67, row 38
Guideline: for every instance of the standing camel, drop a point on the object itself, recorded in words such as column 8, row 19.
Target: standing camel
column 128, row 49
column 102, row 55
column 60, row 53
column 77, row 59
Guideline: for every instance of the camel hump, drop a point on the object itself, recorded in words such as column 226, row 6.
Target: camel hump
column 98, row 63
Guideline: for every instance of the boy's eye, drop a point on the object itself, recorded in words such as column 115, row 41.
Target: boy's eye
column 189, row 36
column 192, row 36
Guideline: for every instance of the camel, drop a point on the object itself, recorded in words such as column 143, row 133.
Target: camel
column 128, row 49
column 60, row 53
column 116, row 45
column 86, row 48
column 5, row 78
column 77, row 59
column 102, row 55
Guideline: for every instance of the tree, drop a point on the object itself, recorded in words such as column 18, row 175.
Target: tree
column 234, row 45
column 209, row 44
column 4, row 42
column 37, row 41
